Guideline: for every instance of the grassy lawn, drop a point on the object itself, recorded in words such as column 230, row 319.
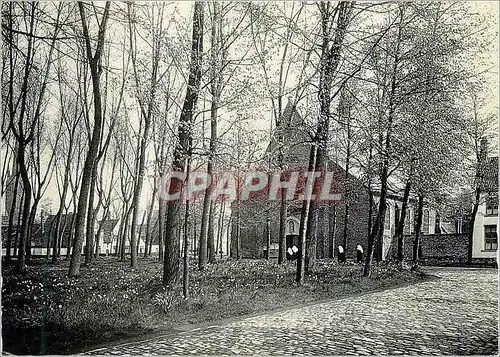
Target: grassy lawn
column 44, row 312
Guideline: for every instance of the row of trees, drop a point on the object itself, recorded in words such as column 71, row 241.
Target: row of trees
column 103, row 100
column 401, row 114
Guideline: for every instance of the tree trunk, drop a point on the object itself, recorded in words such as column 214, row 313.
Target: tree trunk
column 228, row 235
column 345, row 110
column 215, row 89
column 370, row 208
column 31, row 222
column 51, row 231
column 171, row 256
column 57, row 237
column 18, row 225
column 268, row 238
column 123, row 238
column 211, row 234
column 185, row 248
column 346, row 224
column 401, row 223
column 150, row 245
column 94, row 60
column 329, row 61
column 203, row 246
column 59, row 245
column 137, row 193
column 304, row 216
column 418, row 226
column 182, row 150
column 377, row 230
column 89, row 236
column 194, row 237
column 475, row 207
column 311, row 234
column 125, row 234
column 282, row 237
column 147, row 249
column 97, row 240
column 120, row 233
column 11, row 217
column 16, row 149
column 139, row 233
column 238, row 230
column 146, row 115
column 370, row 190
column 220, row 229
column 21, row 257
column 323, row 233
column 376, row 234
column 71, row 233
column 21, row 148
column 161, row 235
column 99, row 231
column 333, row 231
column 47, row 253
column 479, row 183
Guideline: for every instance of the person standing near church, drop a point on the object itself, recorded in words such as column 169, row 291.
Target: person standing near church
column 359, row 253
column 341, row 254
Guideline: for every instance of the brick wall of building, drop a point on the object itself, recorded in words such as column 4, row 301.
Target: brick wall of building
column 444, row 247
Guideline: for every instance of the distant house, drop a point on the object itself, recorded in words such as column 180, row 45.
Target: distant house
column 153, row 243
column 194, row 224
column 485, row 234
column 42, row 233
column 107, row 239
column 49, row 227
column 330, row 234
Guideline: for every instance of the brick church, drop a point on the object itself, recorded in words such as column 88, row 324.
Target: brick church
column 254, row 214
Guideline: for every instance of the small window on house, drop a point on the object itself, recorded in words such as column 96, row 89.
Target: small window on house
column 492, row 204
column 291, row 227
column 490, row 237
column 426, row 222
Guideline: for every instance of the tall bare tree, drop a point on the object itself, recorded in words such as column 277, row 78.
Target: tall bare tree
column 146, row 103
column 29, row 106
column 94, row 60
column 183, row 148
column 335, row 20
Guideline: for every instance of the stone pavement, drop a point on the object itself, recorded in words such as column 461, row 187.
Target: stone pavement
column 456, row 315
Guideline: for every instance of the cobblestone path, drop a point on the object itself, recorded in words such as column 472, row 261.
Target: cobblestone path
column 456, row 315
